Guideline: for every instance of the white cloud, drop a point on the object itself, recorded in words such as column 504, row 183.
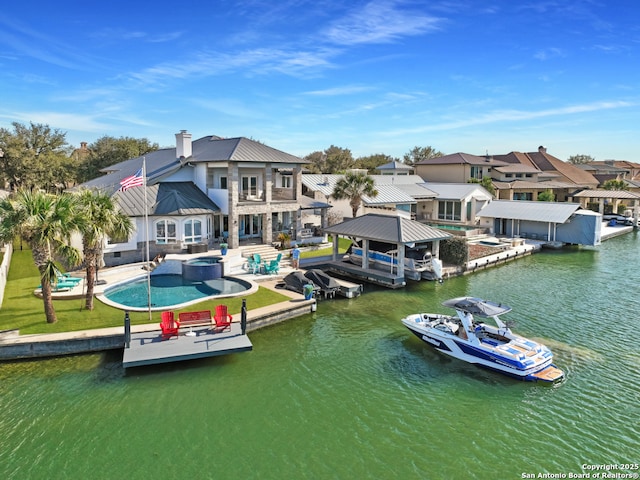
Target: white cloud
column 511, row 116
column 337, row 91
column 380, row 22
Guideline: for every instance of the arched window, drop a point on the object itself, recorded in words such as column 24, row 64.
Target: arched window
column 166, row 231
column 192, row 231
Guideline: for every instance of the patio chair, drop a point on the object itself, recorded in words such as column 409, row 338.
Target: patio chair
column 272, row 267
column 168, row 325
column 254, row 265
column 222, row 318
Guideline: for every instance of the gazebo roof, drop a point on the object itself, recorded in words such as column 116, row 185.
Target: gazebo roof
column 387, row 228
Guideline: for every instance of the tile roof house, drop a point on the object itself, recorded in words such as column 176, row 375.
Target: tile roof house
column 203, row 191
column 515, row 176
column 562, row 178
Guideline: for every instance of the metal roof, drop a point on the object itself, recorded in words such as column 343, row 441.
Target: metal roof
column 387, row 228
column 457, row 191
column 400, row 189
column 241, row 149
column 161, row 163
column 553, row 212
column 158, row 165
column 170, row 198
column 308, row 203
column 395, row 165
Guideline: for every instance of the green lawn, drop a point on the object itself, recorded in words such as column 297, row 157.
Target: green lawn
column 343, row 245
column 21, row 309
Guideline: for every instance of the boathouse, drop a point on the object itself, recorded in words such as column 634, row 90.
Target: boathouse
column 550, row 222
column 395, row 230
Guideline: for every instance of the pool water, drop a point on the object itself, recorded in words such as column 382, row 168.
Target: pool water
column 171, row 290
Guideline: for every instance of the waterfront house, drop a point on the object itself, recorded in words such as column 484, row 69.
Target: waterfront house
column 515, row 176
column 562, row 178
column 206, row 192
column 549, row 222
column 452, row 205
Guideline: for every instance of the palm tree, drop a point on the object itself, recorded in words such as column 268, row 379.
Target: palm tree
column 45, row 222
column 353, row 186
column 100, row 219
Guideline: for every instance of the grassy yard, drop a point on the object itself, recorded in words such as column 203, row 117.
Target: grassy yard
column 343, row 245
column 21, row 309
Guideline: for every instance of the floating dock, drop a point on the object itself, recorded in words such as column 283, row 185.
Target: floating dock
column 348, row 289
column 148, row 348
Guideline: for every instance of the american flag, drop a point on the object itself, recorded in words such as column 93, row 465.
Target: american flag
column 133, row 181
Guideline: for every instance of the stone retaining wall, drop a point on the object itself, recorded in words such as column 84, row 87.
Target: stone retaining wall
column 13, row 347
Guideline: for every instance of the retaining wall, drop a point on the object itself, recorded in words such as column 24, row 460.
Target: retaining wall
column 13, row 346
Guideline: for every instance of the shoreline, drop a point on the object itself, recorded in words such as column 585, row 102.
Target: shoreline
column 33, row 346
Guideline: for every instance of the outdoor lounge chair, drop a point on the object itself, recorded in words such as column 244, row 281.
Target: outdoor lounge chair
column 252, row 266
column 222, row 318
column 169, row 326
column 272, row 267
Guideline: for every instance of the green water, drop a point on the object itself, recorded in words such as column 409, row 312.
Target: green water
column 348, row 393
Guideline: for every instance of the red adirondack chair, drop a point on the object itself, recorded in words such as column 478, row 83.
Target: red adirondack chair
column 222, row 318
column 168, row 325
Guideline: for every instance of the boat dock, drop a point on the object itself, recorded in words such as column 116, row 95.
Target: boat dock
column 148, row 348
column 371, row 275
column 348, row 289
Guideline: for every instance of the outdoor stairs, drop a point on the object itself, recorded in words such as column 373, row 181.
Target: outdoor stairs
column 267, row 253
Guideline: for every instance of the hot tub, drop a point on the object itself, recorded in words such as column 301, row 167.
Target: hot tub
column 202, row 268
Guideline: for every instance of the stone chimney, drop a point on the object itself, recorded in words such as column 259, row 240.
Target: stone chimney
column 542, row 149
column 183, row 144
column 83, row 145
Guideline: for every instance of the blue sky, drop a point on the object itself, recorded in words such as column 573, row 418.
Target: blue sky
column 378, row 76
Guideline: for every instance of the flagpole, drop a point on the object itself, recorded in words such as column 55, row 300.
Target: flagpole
column 146, row 225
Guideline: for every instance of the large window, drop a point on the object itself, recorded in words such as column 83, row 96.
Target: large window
column 476, row 172
column 192, row 231
column 250, row 187
column 523, row 196
column 166, row 231
column 286, row 181
column 449, row 210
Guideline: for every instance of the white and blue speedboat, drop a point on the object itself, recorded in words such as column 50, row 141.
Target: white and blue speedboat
column 418, row 262
column 494, row 347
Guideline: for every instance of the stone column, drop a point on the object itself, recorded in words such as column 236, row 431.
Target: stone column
column 233, row 184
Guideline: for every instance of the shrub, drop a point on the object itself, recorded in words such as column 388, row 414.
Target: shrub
column 454, row 251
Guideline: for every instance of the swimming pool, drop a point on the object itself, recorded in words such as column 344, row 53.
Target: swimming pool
column 171, row 291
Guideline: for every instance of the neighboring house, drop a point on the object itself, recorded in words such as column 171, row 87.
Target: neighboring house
column 608, row 201
column 545, row 221
column 392, row 198
column 455, row 203
column 204, row 191
column 395, row 168
column 604, row 171
column 632, row 169
column 515, row 176
column 408, row 196
column 562, row 178
column 456, row 168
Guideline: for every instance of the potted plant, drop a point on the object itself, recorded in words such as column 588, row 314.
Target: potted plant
column 223, row 248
